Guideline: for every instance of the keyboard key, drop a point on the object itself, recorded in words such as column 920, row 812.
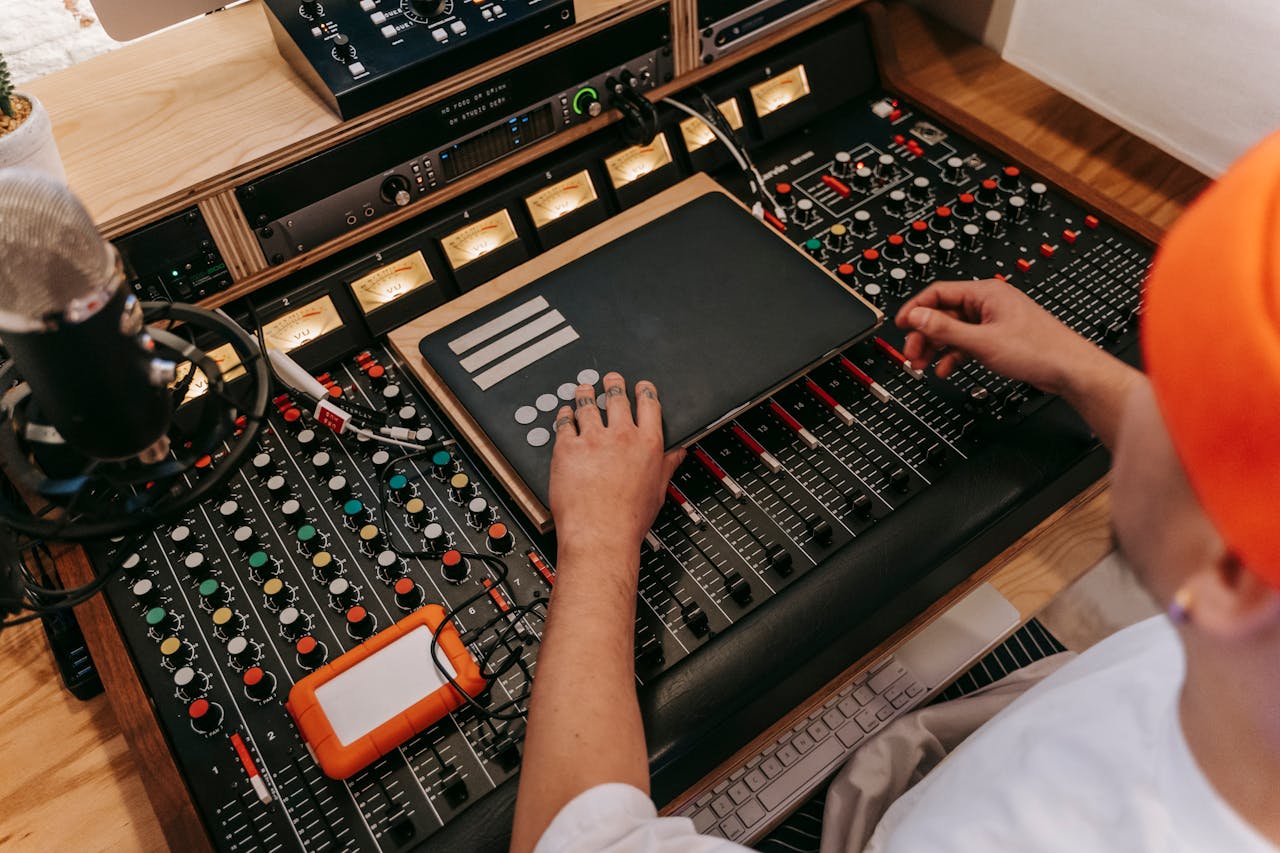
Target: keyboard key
column 721, row 788
column 863, row 695
column 848, row 707
column 704, row 820
column 819, row 730
column 866, row 719
column 722, row 806
column 884, row 713
column 803, row 743
column 740, row 793
column 900, row 700
column 833, row 718
column 751, row 813
column 737, row 774
column 771, row 767
column 803, row 772
column 702, row 801
column 756, row 780
column 788, row 755
column 850, row 733
column 915, row 690
column 886, row 676
column 732, row 828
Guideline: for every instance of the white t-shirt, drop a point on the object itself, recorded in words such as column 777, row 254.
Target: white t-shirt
column 1092, row 758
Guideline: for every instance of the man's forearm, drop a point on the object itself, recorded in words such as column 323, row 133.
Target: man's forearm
column 1097, row 387
column 584, row 721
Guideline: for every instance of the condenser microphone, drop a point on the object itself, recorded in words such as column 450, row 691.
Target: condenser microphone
column 72, row 327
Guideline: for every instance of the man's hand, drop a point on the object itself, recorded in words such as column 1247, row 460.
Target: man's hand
column 608, row 482
column 1010, row 334
column 996, row 324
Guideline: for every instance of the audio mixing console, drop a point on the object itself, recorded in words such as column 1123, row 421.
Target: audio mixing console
column 793, row 539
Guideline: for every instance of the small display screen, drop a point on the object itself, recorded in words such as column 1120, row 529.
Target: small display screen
column 550, row 203
column 389, row 283
column 697, row 133
column 779, row 91
column 479, row 239
column 388, row 682
column 637, row 161
column 496, row 142
column 302, row 325
column 228, row 362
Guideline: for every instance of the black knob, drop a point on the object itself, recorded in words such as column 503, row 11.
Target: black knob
column 953, row 170
column 338, row 485
column 454, row 567
column 245, row 538
column 205, row 716
column 134, row 566
column 1016, row 207
column 969, row 236
column 874, row 294
column 918, row 235
column 371, row 539
column 391, row 395
column 324, row 567
column 870, row 262
column 175, row 653
column 862, row 223
column 863, row 178
column 885, row 168
column 434, row 533
column 1011, row 178
column 360, row 623
column 920, row 263
column 428, row 8
column 920, row 189
column 409, row 595
column 461, row 489
column 946, row 250
column 343, row 50
column 1039, row 196
column 398, row 488
column 965, row 206
column 145, row 591
column 895, row 248
column 988, row 193
column 993, row 223
column 785, row 194
column 898, row 282
column 416, row 511
column 277, row 592
column 943, row 221
column 242, row 651
column 311, row 652
column 311, row 9
column 293, row 623
column 409, row 415
column 479, row 513
column 395, row 190
column 230, row 511
column 342, row 594
column 259, row 685
column 443, row 465
column 843, row 165
column 277, row 487
column 896, row 203
column 838, row 238
column 499, row 538
column 390, row 565
column 212, row 594
column 803, row 213
column 322, row 461
column 195, row 564
column 263, row 464
column 190, row 683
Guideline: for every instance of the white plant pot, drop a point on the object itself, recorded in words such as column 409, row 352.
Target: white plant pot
column 32, row 146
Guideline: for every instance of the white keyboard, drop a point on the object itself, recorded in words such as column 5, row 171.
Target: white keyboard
column 754, row 796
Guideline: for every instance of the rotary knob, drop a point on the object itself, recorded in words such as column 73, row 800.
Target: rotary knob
column 242, row 651
column 259, row 685
column 804, row 213
column 885, row 167
column 293, row 623
column 454, row 566
column 398, row 488
column 435, row 536
column 861, row 223
column 415, row 509
column 395, row 190
column 429, row 8
column 921, row 191
column 838, row 237
column 277, row 592
column 360, row 623
column 863, row 178
column 896, row 204
column 342, row 594
column 1039, row 196
column 205, row 716
column 843, row 166
column 343, row 50
column 390, row 565
column 479, row 513
column 443, row 465
column 499, row 538
column 1016, row 207
column 953, row 170
column 311, row 652
column 175, row 653
column 461, row 489
column 409, row 595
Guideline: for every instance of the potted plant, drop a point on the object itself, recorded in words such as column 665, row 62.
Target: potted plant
column 26, row 134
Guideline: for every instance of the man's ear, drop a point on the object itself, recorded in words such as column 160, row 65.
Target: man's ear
column 1231, row 602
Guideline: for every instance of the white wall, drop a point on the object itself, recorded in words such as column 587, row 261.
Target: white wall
column 1200, row 80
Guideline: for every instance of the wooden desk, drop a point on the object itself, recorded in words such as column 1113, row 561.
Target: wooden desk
column 69, row 780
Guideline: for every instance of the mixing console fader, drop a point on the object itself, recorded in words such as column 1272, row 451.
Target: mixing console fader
column 793, row 540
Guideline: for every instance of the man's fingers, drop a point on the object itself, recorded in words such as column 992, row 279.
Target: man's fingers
column 944, row 330
column 949, row 363
column 584, row 403
column 615, row 400
column 670, row 463
column 565, row 427
column 648, row 409
column 942, row 295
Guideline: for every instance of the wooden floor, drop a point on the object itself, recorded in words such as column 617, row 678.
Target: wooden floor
column 68, row 782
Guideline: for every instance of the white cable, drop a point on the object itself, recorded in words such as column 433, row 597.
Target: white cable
column 385, row 439
column 733, row 149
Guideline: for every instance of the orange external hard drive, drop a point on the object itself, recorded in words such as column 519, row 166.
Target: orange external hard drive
column 366, row 703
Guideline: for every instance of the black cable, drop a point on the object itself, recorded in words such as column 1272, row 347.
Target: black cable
column 509, row 617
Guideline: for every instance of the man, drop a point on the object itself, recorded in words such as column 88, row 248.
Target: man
column 1165, row 736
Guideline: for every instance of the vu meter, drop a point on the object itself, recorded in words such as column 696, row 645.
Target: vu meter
column 389, row 283
column 479, row 239
column 550, row 203
column 697, row 133
column 779, row 91
column 633, row 163
column 302, row 325
column 226, row 359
